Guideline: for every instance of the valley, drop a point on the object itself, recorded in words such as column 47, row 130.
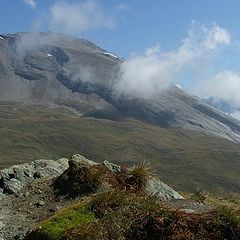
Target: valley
column 185, row 159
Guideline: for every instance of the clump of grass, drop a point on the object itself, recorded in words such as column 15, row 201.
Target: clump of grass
column 115, row 212
column 138, row 176
column 229, row 216
column 199, row 195
column 80, row 180
column 105, row 203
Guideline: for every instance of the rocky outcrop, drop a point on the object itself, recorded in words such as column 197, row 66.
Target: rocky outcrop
column 34, row 185
column 85, row 176
column 112, row 167
column 153, row 185
column 78, row 159
column 158, row 188
column 14, row 178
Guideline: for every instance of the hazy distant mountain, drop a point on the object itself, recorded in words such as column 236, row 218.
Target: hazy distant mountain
column 229, row 108
column 62, row 70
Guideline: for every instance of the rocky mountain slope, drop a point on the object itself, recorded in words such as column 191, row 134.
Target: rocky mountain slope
column 231, row 109
column 71, row 72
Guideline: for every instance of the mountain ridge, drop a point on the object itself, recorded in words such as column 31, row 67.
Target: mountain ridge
column 67, row 71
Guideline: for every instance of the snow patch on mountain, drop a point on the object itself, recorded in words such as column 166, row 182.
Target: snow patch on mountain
column 178, row 86
column 111, row 55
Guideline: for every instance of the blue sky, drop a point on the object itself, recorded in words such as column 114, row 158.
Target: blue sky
column 127, row 27
column 141, row 24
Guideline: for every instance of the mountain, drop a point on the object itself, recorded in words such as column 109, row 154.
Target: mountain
column 227, row 107
column 185, row 159
column 57, row 97
column 59, row 70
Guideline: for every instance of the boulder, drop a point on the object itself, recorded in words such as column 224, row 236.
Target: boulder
column 13, row 186
column 78, row 159
column 112, row 167
column 158, row 188
column 40, row 203
column 14, row 178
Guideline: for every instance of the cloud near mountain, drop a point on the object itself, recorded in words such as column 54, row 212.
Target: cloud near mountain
column 225, row 85
column 148, row 74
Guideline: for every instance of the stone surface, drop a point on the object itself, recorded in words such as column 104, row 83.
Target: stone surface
column 40, row 203
column 13, row 186
column 158, row 188
column 77, row 159
column 14, row 178
column 2, row 225
column 112, row 167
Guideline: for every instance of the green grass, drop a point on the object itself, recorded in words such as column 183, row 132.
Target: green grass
column 77, row 216
column 183, row 159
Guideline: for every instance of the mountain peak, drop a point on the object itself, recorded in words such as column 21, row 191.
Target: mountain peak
column 57, row 69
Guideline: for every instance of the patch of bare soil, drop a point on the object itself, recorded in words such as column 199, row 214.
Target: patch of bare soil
column 22, row 213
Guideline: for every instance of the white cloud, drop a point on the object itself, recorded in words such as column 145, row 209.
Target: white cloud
column 225, row 85
column 79, row 17
column 31, row 3
column 148, row 74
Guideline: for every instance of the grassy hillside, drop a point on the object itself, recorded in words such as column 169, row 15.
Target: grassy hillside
column 184, row 159
column 135, row 216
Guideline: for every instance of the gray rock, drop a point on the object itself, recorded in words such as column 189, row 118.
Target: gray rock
column 19, row 236
column 187, row 210
column 2, row 225
column 158, row 188
column 63, row 163
column 79, row 159
column 112, row 167
column 14, row 178
column 2, row 195
column 40, row 203
column 13, row 186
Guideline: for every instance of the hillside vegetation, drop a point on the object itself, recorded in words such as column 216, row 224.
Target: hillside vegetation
column 122, row 215
column 120, row 207
column 184, row 159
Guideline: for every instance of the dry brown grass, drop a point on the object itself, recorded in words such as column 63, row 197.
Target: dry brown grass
column 135, row 216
